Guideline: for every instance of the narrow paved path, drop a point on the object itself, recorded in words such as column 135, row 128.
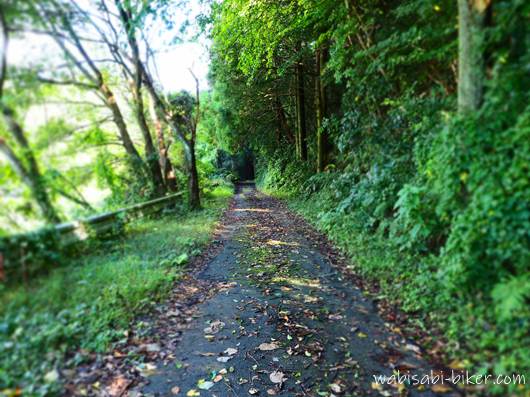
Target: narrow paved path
column 283, row 322
column 263, row 313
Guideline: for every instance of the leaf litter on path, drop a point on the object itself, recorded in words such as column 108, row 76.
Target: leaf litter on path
column 319, row 342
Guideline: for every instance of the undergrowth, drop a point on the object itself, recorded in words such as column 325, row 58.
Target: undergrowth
column 90, row 302
column 385, row 228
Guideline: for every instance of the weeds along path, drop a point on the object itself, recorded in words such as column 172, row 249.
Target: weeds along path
column 266, row 315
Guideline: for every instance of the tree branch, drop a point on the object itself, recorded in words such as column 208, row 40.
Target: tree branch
column 67, row 82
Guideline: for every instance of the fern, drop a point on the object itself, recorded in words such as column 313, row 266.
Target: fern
column 511, row 297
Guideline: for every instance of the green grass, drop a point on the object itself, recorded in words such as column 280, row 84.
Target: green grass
column 89, row 302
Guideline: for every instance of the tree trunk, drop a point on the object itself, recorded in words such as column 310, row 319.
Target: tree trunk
column 28, row 172
column 471, row 19
column 283, row 125
column 161, row 106
column 193, row 179
column 300, row 110
column 320, row 106
column 150, row 151
column 136, row 161
column 163, row 157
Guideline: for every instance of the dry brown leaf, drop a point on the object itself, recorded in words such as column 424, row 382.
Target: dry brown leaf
column 268, row 346
column 441, row 388
column 207, row 354
column 214, row 327
column 118, row 386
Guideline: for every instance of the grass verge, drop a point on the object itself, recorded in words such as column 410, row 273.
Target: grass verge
column 90, row 302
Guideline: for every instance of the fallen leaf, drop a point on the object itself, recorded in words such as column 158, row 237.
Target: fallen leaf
column 277, row 377
column 379, row 388
column 175, row 390
column 230, row 351
column 405, row 366
column 224, row 359
column 440, row 388
column 118, row 386
column 412, row 348
column 147, row 369
column 268, row 346
column 335, row 317
column 253, row 391
column 218, row 378
column 271, row 392
column 362, row 335
column 208, row 354
column 150, row 347
column 205, row 385
column 335, row 388
column 193, row 393
column 457, row 364
column 214, row 327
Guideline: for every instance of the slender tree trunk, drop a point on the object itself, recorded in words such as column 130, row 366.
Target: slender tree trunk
column 88, row 68
column 28, row 170
column 189, row 144
column 283, row 125
column 296, row 135
column 163, row 157
column 471, row 21
column 150, row 151
column 136, row 161
column 161, row 107
column 320, row 106
column 300, row 110
column 193, row 180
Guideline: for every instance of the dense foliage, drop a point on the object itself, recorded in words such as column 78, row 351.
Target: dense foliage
column 85, row 126
column 430, row 202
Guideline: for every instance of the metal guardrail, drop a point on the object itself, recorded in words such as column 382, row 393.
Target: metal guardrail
column 104, row 223
column 23, row 255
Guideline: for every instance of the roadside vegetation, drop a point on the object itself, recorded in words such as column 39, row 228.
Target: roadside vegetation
column 401, row 130
column 90, row 302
